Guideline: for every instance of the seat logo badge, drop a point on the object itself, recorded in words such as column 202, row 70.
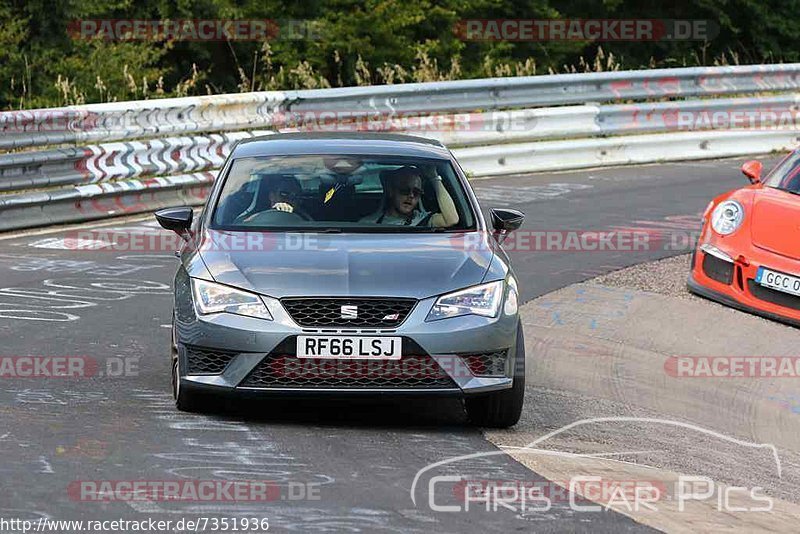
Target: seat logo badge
column 349, row 312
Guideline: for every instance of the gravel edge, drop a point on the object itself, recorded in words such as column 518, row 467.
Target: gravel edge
column 664, row 277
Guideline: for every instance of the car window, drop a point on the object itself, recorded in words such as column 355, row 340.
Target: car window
column 350, row 193
column 786, row 175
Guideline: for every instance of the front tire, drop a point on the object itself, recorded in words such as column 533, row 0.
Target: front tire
column 502, row 409
column 185, row 400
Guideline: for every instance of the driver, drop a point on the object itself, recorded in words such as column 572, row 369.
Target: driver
column 283, row 193
column 282, row 196
column 403, row 191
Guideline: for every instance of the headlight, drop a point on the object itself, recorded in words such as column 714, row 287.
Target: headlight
column 479, row 300
column 727, row 217
column 215, row 298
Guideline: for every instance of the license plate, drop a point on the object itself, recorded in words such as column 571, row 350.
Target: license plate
column 778, row 281
column 349, row 348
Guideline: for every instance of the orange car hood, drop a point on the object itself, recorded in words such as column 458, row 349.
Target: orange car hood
column 775, row 223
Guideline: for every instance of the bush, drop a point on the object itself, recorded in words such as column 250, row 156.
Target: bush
column 348, row 42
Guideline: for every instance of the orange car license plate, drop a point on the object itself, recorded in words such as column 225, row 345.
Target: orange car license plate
column 778, row 281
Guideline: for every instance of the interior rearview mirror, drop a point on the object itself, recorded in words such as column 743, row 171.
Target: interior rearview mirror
column 178, row 220
column 752, row 169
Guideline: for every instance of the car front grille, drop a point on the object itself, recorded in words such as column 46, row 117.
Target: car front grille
column 282, row 369
column 770, row 295
column 335, row 312
column 206, row 361
column 487, row 364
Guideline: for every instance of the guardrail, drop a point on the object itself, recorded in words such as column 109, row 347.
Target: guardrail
column 152, row 153
column 553, row 90
column 128, row 120
column 139, row 119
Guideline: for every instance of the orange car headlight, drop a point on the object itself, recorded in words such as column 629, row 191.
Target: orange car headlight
column 727, row 217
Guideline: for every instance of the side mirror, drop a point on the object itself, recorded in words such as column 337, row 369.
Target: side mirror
column 752, row 169
column 506, row 220
column 178, row 220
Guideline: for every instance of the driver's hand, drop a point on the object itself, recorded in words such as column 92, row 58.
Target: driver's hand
column 429, row 172
column 283, row 206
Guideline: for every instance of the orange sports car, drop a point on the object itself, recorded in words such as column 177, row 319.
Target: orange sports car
column 748, row 254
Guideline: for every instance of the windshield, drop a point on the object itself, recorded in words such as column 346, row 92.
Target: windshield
column 786, row 175
column 344, row 193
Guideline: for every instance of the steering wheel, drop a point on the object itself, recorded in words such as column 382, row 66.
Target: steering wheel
column 274, row 217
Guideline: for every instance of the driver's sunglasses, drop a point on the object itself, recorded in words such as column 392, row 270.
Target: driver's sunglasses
column 287, row 195
column 410, row 191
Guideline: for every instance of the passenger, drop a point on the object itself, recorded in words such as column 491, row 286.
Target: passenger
column 401, row 203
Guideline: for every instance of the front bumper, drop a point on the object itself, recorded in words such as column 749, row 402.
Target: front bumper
column 732, row 282
column 252, row 344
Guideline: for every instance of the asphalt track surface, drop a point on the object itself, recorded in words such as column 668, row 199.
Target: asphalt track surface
column 357, row 459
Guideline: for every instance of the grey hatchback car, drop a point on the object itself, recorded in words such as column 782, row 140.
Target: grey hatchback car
column 346, row 264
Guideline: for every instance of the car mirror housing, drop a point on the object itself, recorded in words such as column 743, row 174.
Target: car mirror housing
column 752, row 169
column 505, row 220
column 178, row 219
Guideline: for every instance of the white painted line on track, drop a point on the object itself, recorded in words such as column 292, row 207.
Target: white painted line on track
column 80, row 226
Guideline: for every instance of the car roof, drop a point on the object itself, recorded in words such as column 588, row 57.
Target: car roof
column 361, row 143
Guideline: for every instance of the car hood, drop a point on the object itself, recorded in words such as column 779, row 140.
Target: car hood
column 310, row 264
column 775, row 225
